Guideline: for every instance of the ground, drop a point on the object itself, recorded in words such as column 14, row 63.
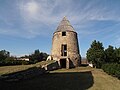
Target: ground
column 17, row 68
column 81, row 78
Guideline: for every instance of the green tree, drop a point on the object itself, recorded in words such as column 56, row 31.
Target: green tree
column 10, row 58
column 38, row 56
column 117, row 55
column 4, row 54
column 110, row 54
column 45, row 55
column 95, row 54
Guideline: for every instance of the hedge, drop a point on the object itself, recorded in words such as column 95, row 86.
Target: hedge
column 13, row 62
column 112, row 69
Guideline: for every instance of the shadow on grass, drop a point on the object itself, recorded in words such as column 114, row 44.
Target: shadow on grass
column 53, row 81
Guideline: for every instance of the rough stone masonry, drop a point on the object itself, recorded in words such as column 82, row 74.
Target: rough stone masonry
column 65, row 48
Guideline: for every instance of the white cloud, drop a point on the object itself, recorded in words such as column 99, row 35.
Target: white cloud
column 42, row 12
column 51, row 11
column 34, row 14
column 31, row 8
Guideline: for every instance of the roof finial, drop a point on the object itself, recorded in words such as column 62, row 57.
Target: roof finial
column 64, row 18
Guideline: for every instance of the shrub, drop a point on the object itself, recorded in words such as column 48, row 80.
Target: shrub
column 112, row 69
column 13, row 62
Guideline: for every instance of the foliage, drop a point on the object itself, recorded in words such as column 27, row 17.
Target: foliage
column 112, row 69
column 98, row 56
column 13, row 62
column 110, row 55
column 117, row 55
column 10, row 58
column 109, row 58
column 38, row 56
column 95, row 54
column 6, row 59
column 4, row 54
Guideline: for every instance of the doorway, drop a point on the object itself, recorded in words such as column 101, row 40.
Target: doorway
column 64, row 50
column 63, row 63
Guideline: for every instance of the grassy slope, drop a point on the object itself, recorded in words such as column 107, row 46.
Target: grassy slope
column 82, row 78
column 101, row 80
column 11, row 69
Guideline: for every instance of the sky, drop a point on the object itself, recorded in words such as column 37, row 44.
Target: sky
column 27, row 25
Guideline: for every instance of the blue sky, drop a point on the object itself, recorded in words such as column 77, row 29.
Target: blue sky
column 26, row 25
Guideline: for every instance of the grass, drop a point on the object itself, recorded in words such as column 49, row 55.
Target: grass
column 100, row 80
column 17, row 68
column 81, row 78
column 103, row 81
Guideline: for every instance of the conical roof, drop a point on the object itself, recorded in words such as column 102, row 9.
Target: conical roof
column 65, row 25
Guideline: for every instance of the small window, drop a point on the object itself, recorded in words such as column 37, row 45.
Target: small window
column 63, row 33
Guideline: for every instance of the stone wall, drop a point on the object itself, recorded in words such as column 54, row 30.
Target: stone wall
column 52, row 66
column 72, row 47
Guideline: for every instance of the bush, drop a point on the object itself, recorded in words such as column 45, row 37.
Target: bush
column 112, row 69
column 13, row 62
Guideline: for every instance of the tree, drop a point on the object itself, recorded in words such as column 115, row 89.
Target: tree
column 45, row 55
column 95, row 54
column 110, row 54
column 38, row 56
column 4, row 54
column 10, row 58
column 117, row 55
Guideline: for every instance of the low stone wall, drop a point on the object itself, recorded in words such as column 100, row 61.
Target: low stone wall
column 51, row 66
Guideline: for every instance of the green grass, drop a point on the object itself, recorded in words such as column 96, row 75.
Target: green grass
column 103, row 81
column 81, row 78
column 17, row 68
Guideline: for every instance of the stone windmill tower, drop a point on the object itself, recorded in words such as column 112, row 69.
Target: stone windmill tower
column 65, row 48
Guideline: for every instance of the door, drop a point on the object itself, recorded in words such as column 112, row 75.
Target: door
column 63, row 63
